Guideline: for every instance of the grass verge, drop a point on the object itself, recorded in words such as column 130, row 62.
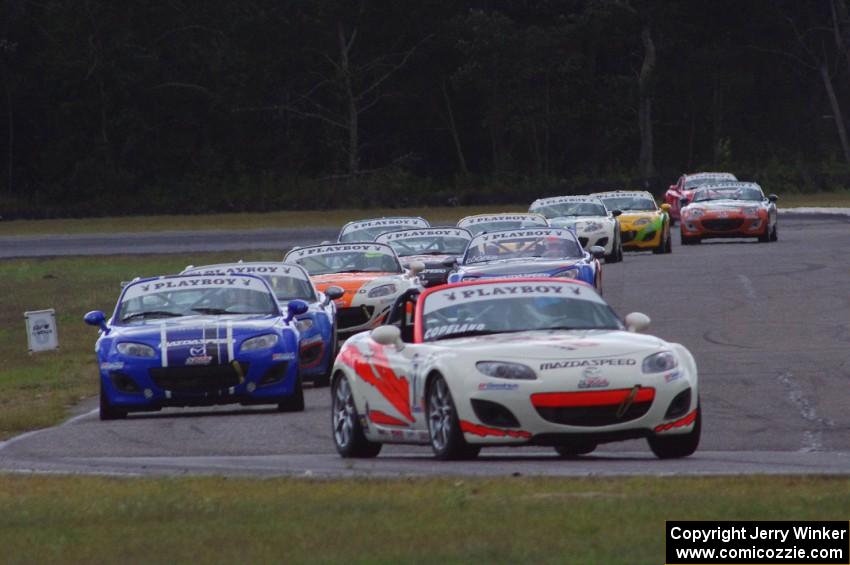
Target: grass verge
column 512, row 520
column 312, row 218
column 37, row 390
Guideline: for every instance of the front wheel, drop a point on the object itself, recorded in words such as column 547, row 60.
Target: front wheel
column 676, row 446
column 295, row 402
column 773, row 235
column 349, row 439
column 447, row 440
column 616, row 252
column 107, row 410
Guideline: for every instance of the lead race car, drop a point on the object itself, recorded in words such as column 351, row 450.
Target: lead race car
column 540, row 252
column 514, row 362
column 683, row 190
column 317, row 326
column 588, row 217
column 732, row 209
column 644, row 226
column 197, row 340
column 481, row 223
column 369, row 274
column 368, row 230
column 435, row 248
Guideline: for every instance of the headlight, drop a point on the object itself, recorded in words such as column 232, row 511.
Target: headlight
column 695, row 212
column 567, row 274
column 383, row 290
column 592, row 227
column 642, row 222
column 663, row 361
column 259, row 342
column 136, row 349
column 304, row 325
column 752, row 212
column 503, row 370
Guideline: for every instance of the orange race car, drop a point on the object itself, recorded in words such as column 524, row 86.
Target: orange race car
column 730, row 209
column 369, row 273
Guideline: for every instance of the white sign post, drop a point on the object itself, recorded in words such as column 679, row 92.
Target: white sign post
column 42, row 334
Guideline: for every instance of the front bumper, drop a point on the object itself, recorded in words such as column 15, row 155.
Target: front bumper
column 735, row 226
column 643, row 237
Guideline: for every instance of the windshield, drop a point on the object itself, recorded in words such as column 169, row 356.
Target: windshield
column 498, row 225
column 641, row 203
column 563, row 209
column 749, row 194
column 349, row 262
column 506, row 245
column 697, row 182
column 290, row 288
column 368, row 230
column 429, row 245
column 366, row 234
column 192, row 296
column 513, row 307
column 287, row 282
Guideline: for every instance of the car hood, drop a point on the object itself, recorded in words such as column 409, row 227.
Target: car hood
column 557, row 345
column 351, row 283
column 541, row 266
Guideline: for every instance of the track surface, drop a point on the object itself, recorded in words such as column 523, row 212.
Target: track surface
column 769, row 325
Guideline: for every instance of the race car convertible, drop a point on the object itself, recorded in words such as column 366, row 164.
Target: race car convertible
column 481, row 223
column 643, row 225
column 588, row 217
column 317, row 326
column 733, row 209
column 540, row 252
column 514, row 362
column 197, row 340
column 685, row 187
column 368, row 230
column 369, row 274
column 435, row 248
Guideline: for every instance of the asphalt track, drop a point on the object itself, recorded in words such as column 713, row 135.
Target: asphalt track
column 769, row 325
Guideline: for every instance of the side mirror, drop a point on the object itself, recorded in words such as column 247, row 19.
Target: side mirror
column 333, row 293
column 388, row 335
column 616, row 213
column 597, row 251
column 415, row 268
column 96, row 318
column 295, row 308
column 665, row 207
column 773, row 197
column 636, row 322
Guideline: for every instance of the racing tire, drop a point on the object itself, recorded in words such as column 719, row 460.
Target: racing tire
column 444, row 431
column 348, row 436
column 572, row 450
column 773, row 234
column 295, row 401
column 664, row 244
column 687, row 240
column 107, row 411
column 668, row 246
column 616, row 252
column 677, row 446
column 765, row 237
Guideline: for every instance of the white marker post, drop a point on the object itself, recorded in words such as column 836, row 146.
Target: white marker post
column 42, row 333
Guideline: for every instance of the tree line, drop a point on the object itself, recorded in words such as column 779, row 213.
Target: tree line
column 198, row 106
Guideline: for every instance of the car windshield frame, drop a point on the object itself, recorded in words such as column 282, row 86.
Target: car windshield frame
column 433, row 245
column 694, row 183
column 615, row 203
column 192, row 295
column 501, row 307
column 376, row 226
column 711, row 193
column 545, row 209
column 531, row 245
column 302, row 285
column 345, row 255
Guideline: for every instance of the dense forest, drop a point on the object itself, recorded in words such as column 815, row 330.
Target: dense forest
column 214, row 105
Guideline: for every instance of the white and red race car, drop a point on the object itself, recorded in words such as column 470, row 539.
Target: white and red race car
column 513, row 362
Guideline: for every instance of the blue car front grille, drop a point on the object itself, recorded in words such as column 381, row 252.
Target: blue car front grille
column 198, row 379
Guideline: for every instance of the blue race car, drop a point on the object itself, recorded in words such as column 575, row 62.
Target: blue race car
column 317, row 326
column 197, row 341
column 532, row 252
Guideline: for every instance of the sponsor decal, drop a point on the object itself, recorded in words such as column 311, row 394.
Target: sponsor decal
column 379, row 248
column 484, row 431
column 188, row 282
column 452, row 329
column 375, row 370
column 562, row 199
column 497, row 386
column 592, row 378
column 496, row 236
column 384, row 419
column 199, row 342
column 672, row 376
column 199, row 360
column 573, row 363
column 398, row 434
column 112, row 365
column 680, row 423
column 283, row 356
column 416, row 222
column 410, row 234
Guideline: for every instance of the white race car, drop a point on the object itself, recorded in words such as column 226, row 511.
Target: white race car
column 368, row 230
column 369, row 274
column 593, row 223
column 513, row 362
column 481, row 223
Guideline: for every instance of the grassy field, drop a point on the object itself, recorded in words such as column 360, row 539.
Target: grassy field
column 512, row 520
column 38, row 390
column 323, row 218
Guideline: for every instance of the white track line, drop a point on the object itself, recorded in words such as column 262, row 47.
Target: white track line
column 16, row 439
